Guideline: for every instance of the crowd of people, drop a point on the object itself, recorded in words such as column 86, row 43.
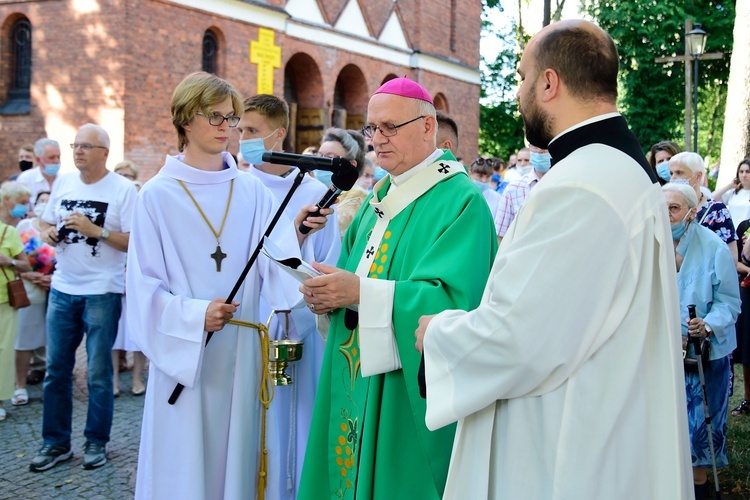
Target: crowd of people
column 488, row 330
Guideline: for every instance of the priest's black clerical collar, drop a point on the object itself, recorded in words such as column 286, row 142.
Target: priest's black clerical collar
column 613, row 132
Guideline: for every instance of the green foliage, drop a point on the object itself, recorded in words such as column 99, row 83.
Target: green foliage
column 500, row 130
column 500, row 126
column 736, row 477
column 652, row 94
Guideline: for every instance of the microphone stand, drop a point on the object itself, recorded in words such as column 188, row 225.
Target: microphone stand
column 297, row 181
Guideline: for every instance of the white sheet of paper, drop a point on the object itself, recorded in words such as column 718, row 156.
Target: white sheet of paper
column 298, row 268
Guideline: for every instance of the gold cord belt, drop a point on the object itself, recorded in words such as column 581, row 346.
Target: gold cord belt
column 265, row 395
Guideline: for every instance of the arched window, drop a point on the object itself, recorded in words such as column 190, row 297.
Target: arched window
column 210, row 52
column 20, row 69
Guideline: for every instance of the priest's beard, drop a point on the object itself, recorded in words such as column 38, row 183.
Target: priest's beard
column 536, row 122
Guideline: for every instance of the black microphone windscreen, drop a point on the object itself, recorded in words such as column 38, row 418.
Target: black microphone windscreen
column 345, row 178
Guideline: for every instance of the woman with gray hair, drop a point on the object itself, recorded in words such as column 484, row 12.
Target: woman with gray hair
column 689, row 169
column 706, row 277
column 348, row 144
column 14, row 202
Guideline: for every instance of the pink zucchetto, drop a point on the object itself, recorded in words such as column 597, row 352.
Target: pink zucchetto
column 405, row 88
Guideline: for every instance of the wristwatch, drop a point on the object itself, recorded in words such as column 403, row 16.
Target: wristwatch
column 105, row 235
column 709, row 331
column 12, row 262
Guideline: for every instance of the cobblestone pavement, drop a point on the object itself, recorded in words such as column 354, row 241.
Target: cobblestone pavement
column 21, row 439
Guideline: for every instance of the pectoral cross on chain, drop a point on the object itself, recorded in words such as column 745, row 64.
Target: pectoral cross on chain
column 218, row 256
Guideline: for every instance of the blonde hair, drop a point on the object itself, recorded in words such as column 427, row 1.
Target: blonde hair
column 200, row 92
column 128, row 164
column 12, row 189
column 273, row 109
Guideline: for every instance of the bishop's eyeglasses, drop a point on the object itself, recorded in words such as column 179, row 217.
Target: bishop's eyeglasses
column 386, row 129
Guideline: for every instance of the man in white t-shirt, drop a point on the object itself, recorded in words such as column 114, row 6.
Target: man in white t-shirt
column 41, row 177
column 88, row 219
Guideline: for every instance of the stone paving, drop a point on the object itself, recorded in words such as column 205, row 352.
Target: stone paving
column 21, row 439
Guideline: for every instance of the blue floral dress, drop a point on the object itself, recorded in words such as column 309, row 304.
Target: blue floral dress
column 715, row 216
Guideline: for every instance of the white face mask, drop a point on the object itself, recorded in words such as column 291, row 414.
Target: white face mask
column 524, row 170
column 39, row 208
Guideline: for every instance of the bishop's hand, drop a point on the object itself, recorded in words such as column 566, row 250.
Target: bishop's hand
column 335, row 289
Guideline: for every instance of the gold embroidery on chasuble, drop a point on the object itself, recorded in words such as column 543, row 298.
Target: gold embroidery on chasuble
column 347, row 440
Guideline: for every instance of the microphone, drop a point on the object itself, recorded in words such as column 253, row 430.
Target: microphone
column 341, row 180
column 307, row 163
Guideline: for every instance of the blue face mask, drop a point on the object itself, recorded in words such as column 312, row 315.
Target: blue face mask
column 482, row 186
column 19, row 210
column 679, row 228
column 662, row 169
column 541, row 162
column 51, row 169
column 323, row 176
column 379, row 173
column 252, row 149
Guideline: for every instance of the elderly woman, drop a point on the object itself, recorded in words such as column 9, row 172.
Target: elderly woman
column 688, row 168
column 706, row 277
column 128, row 169
column 12, row 261
column 14, row 202
column 348, row 144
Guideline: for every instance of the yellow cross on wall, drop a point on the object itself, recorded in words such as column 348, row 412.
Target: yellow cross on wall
column 267, row 55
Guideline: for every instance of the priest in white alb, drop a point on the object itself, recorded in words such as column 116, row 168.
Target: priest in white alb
column 262, row 128
column 567, row 380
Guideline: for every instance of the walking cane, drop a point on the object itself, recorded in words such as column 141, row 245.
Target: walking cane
column 698, row 351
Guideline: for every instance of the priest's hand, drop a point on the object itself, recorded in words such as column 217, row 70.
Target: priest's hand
column 315, row 223
column 424, row 321
column 218, row 314
column 336, row 289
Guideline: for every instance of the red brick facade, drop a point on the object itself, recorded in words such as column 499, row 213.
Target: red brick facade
column 116, row 63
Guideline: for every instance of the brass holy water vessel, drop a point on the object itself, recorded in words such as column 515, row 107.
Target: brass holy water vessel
column 282, row 353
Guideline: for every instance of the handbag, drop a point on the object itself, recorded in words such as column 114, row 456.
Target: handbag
column 17, row 297
column 689, row 359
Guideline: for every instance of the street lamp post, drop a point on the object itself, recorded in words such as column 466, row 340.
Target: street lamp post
column 696, row 42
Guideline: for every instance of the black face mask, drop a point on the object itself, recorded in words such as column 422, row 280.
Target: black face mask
column 24, row 165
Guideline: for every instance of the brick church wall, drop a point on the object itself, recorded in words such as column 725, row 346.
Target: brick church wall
column 129, row 55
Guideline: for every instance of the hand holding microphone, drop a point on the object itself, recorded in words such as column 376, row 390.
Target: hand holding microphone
column 344, row 176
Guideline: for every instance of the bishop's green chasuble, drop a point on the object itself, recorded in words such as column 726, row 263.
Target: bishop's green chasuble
column 368, row 438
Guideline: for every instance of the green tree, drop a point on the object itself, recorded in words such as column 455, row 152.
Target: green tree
column 652, row 95
column 500, row 125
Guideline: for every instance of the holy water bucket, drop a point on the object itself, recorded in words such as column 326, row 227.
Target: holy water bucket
column 282, row 353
